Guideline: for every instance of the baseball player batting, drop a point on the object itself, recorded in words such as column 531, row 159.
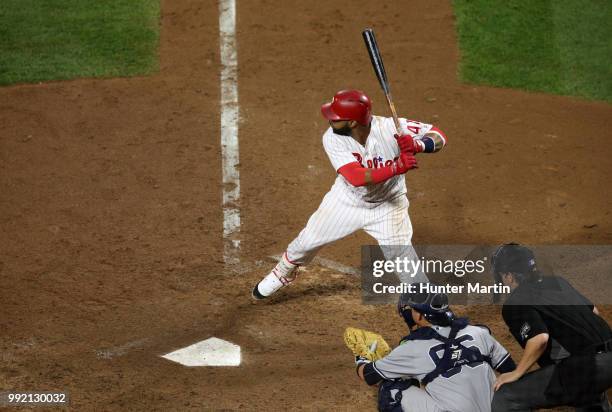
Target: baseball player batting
column 370, row 190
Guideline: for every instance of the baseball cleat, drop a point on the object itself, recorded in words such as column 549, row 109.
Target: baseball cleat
column 255, row 293
column 283, row 274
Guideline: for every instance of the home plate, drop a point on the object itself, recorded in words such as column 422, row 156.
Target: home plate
column 209, row 352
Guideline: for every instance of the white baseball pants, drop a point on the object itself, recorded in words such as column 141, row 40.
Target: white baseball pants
column 340, row 215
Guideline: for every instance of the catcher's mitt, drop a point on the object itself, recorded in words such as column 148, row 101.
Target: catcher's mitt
column 366, row 344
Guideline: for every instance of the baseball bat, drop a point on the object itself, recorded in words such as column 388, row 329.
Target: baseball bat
column 381, row 74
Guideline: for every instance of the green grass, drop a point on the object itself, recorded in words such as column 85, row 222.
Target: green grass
column 64, row 39
column 556, row 46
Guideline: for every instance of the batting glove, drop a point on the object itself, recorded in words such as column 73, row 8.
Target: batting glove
column 408, row 144
column 405, row 162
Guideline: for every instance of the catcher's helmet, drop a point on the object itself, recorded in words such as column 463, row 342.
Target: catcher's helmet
column 433, row 306
column 349, row 105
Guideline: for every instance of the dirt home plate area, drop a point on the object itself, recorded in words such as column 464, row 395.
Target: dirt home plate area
column 112, row 250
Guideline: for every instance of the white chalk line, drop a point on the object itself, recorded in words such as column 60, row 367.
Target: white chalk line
column 116, row 351
column 229, row 150
column 330, row 264
column 229, row 129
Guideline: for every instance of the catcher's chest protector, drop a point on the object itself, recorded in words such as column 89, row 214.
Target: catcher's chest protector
column 455, row 355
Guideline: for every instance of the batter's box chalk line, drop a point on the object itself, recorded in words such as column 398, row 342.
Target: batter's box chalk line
column 330, row 264
column 117, row 351
column 210, row 352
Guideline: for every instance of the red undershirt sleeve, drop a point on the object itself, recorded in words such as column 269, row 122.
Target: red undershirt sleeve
column 357, row 175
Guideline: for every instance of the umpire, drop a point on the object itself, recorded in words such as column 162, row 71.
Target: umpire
column 547, row 317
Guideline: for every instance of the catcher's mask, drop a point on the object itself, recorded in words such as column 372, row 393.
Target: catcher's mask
column 516, row 259
column 433, row 306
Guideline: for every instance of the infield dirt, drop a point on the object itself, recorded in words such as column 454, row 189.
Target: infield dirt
column 111, row 251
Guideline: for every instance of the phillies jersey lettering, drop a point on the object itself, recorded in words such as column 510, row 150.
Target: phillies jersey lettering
column 375, row 163
column 380, row 150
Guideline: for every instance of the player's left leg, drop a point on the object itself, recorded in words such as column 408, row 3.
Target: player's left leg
column 338, row 216
column 390, row 225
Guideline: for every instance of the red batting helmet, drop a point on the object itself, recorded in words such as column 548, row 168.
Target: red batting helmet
column 349, row 105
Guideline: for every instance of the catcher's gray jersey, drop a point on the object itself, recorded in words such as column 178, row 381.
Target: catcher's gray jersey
column 467, row 388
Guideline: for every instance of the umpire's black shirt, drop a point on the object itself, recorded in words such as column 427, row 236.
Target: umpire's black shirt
column 551, row 305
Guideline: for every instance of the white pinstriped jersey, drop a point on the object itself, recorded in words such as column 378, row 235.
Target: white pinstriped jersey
column 466, row 388
column 380, row 150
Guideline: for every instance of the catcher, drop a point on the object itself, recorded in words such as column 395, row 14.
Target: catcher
column 451, row 360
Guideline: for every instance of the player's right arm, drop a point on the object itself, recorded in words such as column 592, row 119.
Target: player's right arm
column 528, row 328
column 534, row 348
column 524, row 322
column 346, row 164
column 357, row 175
column 501, row 360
